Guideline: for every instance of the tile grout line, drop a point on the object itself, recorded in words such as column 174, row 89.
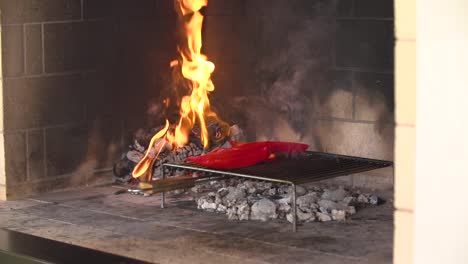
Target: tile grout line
column 43, row 47
column 44, row 154
column 25, row 40
column 28, row 176
column 354, row 89
column 186, row 228
column 194, row 230
column 82, row 9
column 57, row 22
column 51, row 74
column 90, row 228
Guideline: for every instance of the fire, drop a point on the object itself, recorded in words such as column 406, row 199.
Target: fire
column 194, row 107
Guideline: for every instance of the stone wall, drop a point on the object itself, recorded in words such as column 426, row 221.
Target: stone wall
column 74, row 72
column 405, row 130
column 363, row 84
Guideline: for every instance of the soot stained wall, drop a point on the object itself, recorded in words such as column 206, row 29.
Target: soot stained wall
column 319, row 72
column 76, row 74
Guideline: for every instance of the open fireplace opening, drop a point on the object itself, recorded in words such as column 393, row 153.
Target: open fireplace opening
column 88, row 84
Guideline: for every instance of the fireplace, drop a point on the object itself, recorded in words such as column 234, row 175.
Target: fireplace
column 81, row 76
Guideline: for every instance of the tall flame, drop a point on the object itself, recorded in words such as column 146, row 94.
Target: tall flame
column 197, row 69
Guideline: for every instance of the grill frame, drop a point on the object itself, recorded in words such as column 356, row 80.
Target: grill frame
column 310, row 167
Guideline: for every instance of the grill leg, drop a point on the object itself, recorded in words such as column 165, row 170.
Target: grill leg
column 294, row 210
column 163, row 194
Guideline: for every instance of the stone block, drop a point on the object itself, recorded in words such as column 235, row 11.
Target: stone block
column 365, row 8
column 223, row 77
column 98, row 9
column 33, row 49
column 405, row 19
column 405, row 155
column 338, row 105
column 131, row 8
column 337, row 100
column 2, row 161
column 166, row 9
column 28, row 11
column 3, row 196
column 381, row 179
column 12, row 50
column 99, row 102
column 217, row 39
column 66, row 149
column 15, row 158
column 292, row 8
column 127, row 8
column 365, row 44
column 43, row 101
column 105, row 142
column 405, row 80
column 351, row 138
column 373, row 8
column 346, row 181
column 76, row 46
column 374, row 97
column 403, row 237
column 27, row 189
column 243, row 39
column 344, row 8
column 225, row 7
column 143, row 39
column 35, row 154
column 232, row 80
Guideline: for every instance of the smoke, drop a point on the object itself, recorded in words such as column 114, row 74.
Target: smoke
column 292, row 63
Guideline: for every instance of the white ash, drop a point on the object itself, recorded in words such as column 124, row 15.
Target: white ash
column 264, row 210
column 256, row 200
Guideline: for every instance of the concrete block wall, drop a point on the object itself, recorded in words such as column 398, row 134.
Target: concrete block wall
column 405, row 138
column 363, row 85
column 70, row 69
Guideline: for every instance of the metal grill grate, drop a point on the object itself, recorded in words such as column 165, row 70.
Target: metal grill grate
column 313, row 166
column 309, row 167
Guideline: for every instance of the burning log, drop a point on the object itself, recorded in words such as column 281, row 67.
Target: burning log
column 124, row 167
column 198, row 128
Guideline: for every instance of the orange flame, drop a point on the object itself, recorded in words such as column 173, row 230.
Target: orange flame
column 196, row 68
column 146, row 163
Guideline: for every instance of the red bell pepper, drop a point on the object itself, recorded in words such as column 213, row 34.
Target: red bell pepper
column 232, row 158
column 246, row 154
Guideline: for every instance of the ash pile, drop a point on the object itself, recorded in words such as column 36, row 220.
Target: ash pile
column 257, row 200
column 219, row 136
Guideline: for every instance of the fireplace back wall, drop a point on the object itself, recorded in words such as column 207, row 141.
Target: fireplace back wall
column 79, row 75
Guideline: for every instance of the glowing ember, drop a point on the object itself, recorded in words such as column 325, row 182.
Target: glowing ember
column 194, row 107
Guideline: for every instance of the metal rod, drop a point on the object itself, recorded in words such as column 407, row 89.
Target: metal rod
column 225, row 172
column 333, row 155
column 294, row 212
column 163, row 194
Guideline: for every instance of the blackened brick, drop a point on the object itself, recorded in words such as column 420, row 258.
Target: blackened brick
column 27, row 11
